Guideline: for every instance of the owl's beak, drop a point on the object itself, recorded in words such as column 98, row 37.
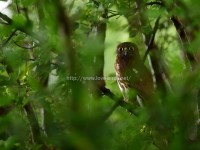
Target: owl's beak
column 125, row 51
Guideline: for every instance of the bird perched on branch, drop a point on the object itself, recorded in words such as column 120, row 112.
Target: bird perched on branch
column 133, row 77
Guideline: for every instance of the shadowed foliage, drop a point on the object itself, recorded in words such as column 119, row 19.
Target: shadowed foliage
column 58, row 84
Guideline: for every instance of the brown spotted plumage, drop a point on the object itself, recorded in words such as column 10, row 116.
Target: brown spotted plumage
column 133, row 77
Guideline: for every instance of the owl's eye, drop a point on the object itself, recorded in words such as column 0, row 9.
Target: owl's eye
column 131, row 48
column 120, row 49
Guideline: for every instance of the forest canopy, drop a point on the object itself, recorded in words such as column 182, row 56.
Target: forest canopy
column 58, row 65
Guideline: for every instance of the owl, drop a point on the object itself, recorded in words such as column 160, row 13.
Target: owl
column 133, row 77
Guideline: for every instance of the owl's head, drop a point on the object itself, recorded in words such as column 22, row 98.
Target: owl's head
column 127, row 49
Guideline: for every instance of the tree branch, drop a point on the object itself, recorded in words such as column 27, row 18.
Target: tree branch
column 9, row 38
column 157, row 67
column 180, row 29
column 112, row 109
column 151, row 40
column 118, row 102
column 35, row 128
column 25, row 29
column 6, row 18
column 155, row 3
column 183, row 36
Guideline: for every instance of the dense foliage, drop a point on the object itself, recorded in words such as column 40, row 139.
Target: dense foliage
column 57, row 80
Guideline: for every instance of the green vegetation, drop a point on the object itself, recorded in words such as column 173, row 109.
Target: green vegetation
column 55, row 53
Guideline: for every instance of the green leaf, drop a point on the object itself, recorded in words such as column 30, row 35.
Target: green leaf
column 27, row 3
column 19, row 21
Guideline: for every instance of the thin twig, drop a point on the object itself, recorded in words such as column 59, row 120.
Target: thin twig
column 26, row 29
column 17, row 6
column 155, row 3
column 151, row 40
column 9, row 38
column 112, row 11
column 113, row 15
